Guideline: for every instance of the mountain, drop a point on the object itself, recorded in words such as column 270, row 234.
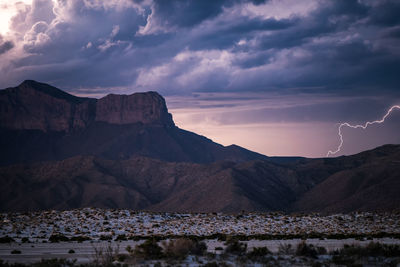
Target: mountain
column 144, row 183
column 60, row 151
column 368, row 181
column 39, row 122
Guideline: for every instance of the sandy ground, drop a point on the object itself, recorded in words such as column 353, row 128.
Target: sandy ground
column 84, row 252
column 33, row 252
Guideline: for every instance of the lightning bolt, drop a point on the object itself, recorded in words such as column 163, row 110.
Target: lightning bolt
column 363, row 126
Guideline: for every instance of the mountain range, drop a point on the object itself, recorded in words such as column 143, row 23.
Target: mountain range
column 60, row 151
column 40, row 122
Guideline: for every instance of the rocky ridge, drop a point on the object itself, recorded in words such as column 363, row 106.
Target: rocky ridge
column 34, row 105
column 39, row 122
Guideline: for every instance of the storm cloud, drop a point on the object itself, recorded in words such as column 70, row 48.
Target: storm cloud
column 336, row 48
column 175, row 46
column 5, row 45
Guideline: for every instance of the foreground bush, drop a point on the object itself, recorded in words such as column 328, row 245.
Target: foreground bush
column 6, row 239
column 258, row 254
column 148, row 250
column 105, row 256
column 55, row 238
column 182, row 247
column 373, row 249
column 15, row 251
column 233, row 246
column 285, row 249
column 309, row 250
column 42, row 263
column 55, row 262
column 80, row 238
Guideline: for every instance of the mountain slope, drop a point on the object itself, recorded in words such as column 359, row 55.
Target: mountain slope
column 366, row 181
column 373, row 183
column 137, row 183
column 39, row 122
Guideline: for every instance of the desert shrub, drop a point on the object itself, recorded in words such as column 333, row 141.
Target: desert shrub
column 25, row 240
column 54, row 238
column 221, row 237
column 149, row 250
column 177, row 249
column 373, row 249
column 309, row 250
column 233, row 246
column 258, row 253
column 322, row 251
column 135, row 238
column 71, row 251
column 180, row 248
column 215, row 264
column 285, row 249
column 105, row 237
column 210, row 264
column 105, row 256
column 6, row 239
column 316, row 264
column 129, row 249
column 350, row 254
column 343, row 260
column 54, row 263
column 80, row 238
column 15, row 251
column 14, row 264
column 121, row 238
column 122, row 257
column 201, row 247
column 378, row 249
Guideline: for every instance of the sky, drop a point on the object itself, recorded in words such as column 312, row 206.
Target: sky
column 276, row 77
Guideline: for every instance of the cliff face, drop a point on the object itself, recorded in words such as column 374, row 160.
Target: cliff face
column 38, row 106
column 147, row 108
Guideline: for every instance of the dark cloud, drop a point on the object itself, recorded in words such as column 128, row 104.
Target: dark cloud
column 184, row 13
column 347, row 8
column 392, row 33
column 179, row 46
column 226, row 36
column 255, row 60
column 385, row 14
column 5, row 45
column 336, row 17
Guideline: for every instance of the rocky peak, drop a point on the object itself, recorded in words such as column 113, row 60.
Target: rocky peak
column 32, row 87
column 34, row 105
column 147, row 108
column 39, row 106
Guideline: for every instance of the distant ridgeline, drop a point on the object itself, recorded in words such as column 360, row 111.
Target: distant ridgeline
column 59, row 151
